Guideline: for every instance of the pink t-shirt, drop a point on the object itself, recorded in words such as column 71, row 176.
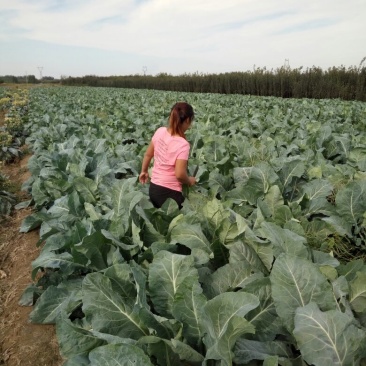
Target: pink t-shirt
column 167, row 149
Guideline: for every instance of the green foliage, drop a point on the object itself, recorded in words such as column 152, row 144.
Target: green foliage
column 244, row 274
column 7, row 199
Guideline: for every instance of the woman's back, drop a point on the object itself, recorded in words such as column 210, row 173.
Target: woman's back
column 167, row 149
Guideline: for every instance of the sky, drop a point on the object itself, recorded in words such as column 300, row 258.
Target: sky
column 62, row 38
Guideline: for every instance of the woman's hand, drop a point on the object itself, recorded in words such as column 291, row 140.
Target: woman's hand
column 144, row 177
column 192, row 181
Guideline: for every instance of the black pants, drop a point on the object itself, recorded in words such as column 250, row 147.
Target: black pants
column 158, row 195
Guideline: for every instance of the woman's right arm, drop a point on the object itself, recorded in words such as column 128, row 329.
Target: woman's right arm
column 149, row 154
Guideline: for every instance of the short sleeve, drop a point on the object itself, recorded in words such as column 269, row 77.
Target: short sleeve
column 158, row 133
column 183, row 153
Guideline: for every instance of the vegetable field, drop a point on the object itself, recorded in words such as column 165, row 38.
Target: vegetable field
column 265, row 263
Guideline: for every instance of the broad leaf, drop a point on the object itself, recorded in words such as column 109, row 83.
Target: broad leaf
column 87, row 188
column 53, row 302
column 118, row 355
column 188, row 309
column 358, row 293
column 229, row 277
column 106, row 310
column 291, row 169
column 351, row 202
column 241, row 251
column 188, row 234
column 264, row 317
column 318, row 188
column 284, row 240
column 295, row 283
column 327, row 338
column 75, row 339
column 224, row 322
column 166, row 274
column 247, row 350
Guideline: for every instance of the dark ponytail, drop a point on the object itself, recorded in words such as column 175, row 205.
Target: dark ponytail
column 178, row 114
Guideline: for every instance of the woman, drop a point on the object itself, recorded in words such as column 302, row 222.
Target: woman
column 170, row 151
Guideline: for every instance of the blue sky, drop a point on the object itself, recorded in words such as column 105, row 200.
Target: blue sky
column 124, row 37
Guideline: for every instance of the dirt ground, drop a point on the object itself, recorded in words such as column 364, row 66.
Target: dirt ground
column 21, row 343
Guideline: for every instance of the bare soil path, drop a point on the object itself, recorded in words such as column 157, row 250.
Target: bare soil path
column 21, row 342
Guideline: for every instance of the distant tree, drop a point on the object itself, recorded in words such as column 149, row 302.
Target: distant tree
column 32, row 79
column 9, row 79
column 335, row 82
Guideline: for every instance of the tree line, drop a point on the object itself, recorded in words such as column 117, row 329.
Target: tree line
column 25, row 79
column 336, row 82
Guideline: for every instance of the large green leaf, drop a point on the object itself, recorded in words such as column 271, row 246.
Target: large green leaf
column 351, row 202
column 67, row 207
column 160, row 350
column 33, row 221
column 263, row 248
column 317, row 188
column 358, row 293
column 264, row 317
column 291, row 169
column 339, row 225
column 261, row 178
column 124, row 197
column 188, row 309
column 231, row 228
column 241, row 251
column 75, row 339
column 107, row 311
column 358, row 156
column 188, row 234
column 63, row 261
column 272, row 201
column 284, row 240
column 219, row 183
column 171, row 352
column 54, row 302
column 87, row 188
column 132, row 249
column 229, row 277
column 295, row 283
column 328, row 338
column 224, row 322
column 39, row 193
column 101, row 167
column 247, row 350
column 118, row 355
column 95, row 248
column 350, row 269
column 154, row 228
column 121, row 281
column 319, row 206
column 215, row 213
column 79, row 360
column 166, row 275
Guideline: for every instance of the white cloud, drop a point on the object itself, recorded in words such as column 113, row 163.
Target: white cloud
column 207, row 36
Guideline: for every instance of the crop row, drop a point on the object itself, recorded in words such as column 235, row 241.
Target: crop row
column 252, row 270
